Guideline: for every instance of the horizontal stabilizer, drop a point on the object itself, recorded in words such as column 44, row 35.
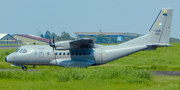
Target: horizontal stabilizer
column 154, row 46
column 159, row 45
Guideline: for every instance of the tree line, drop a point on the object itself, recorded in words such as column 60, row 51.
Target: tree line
column 172, row 40
column 101, row 38
column 64, row 36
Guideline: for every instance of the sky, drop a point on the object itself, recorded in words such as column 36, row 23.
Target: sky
column 129, row 16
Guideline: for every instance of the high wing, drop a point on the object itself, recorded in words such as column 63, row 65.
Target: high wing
column 82, row 43
column 75, row 44
column 72, row 63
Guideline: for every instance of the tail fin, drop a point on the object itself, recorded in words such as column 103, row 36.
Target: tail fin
column 159, row 32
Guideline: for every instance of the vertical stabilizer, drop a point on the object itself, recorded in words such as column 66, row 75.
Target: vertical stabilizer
column 159, row 33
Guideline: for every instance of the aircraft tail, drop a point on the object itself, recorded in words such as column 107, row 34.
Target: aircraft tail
column 159, row 32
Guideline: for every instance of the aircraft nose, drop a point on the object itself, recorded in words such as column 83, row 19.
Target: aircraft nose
column 6, row 59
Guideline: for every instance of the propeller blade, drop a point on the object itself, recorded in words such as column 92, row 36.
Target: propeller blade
column 54, row 53
column 49, row 41
column 52, row 44
column 53, row 39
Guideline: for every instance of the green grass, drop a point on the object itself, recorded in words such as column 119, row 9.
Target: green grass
column 87, row 79
column 10, row 45
column 3, row 54
column 165, row 58
column 73, row 78
column 127, row 73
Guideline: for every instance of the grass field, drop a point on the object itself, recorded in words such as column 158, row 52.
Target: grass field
column 127, row 73
column 10, row 45
column 166, row 58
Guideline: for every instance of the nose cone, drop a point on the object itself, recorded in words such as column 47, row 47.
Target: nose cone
column 10, row 58
column 6, row 59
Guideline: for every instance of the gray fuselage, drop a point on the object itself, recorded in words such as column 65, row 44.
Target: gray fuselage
column 44, row 54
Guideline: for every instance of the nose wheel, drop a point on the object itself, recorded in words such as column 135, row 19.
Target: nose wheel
column 24, row 68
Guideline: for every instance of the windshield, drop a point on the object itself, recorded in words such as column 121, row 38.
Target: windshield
column 21, row 50
column 24, row 51
column 17, row 50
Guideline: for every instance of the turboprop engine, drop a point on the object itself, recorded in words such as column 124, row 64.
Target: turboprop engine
column 74, row 44
column 62, row 45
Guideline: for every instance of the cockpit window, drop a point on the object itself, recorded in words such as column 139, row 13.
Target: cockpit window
column 24, row 51
column 21, row 50
column 17, row 50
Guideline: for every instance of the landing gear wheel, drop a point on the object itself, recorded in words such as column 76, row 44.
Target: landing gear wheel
column 24, row 68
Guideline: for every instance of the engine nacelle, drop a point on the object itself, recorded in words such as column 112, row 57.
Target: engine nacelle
column 62, row 44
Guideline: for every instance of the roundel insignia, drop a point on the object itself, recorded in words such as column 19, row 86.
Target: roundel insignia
column 159, row 24
column 165, row 11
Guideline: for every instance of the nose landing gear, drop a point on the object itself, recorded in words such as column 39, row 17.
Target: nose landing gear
column 23, row 67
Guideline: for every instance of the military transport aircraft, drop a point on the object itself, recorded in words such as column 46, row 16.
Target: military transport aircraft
column 84, row 53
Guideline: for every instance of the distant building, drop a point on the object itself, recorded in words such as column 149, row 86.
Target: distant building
column 118, row 35
column 31, row 39
column 6, row 38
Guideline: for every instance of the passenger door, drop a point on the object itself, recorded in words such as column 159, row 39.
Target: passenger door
column 98, row 55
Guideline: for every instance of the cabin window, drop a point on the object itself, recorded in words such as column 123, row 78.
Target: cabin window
column 88, row 53
column 67, row 53
column 79, row 53
column 47, row 53
column 64, row 53
column 56, row 53
column 72, row 53
column 59, row 53
column 35, row 53
column 84, row 53
column 76, row 53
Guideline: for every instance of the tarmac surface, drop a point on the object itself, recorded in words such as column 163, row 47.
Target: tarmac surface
column 8, row 47
column 166, row 73
column 155, row 73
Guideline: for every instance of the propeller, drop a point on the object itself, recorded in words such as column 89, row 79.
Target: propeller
column 53, row 46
